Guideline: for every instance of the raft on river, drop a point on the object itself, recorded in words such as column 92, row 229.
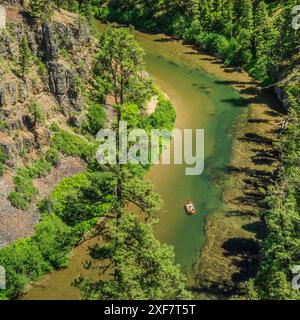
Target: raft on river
column 189, row 207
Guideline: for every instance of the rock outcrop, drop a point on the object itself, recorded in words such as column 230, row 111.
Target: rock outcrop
column 49, row 45
column 59, row 69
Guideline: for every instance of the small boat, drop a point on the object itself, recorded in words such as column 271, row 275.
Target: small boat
column 189, row 207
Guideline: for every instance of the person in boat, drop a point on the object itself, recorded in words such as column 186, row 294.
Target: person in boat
column 190, row 208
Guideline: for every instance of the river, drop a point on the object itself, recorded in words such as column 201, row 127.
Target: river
column 201, row 102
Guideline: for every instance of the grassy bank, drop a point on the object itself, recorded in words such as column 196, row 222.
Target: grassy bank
column 234, row 235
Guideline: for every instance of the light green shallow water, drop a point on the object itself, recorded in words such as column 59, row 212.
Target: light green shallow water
column 201, row 102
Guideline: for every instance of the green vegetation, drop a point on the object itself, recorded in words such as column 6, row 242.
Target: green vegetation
column 258, row 36
column 95, row 118
column 281, row 247
column 28, row 259
column 83, row 197
column 142, row 267
column 164, row 116
column 25, row 57
column 24, row 189
column 72, row 144
column 41, row 10
column 36, row 112
column 3, row 159
column 242, row 32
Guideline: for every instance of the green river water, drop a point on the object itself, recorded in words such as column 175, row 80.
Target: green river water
column 203, row 102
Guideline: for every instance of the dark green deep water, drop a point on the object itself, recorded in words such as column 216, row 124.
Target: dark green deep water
column 201, row 102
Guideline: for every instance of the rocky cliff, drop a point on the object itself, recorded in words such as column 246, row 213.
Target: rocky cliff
column 56, row 80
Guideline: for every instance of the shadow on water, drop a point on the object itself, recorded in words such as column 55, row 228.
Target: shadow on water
column 238, row 102
column 245, row 253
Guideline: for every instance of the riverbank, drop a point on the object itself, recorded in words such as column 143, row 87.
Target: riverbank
column 233, row 236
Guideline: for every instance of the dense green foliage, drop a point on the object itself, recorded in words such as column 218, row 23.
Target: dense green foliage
column 95, row 118
column 242, row 32
column 83, row 197
column 258, row 36
column 72, row 144
column 41, row 10
column 281, row 246
column 164, row 116
column 142, row 267
column 28, row 259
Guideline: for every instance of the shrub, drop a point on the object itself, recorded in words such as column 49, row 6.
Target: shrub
column 54, row 240
column 24, row 189
column 53, row 156
column 2, row 169
column 23, row 262
column 37, row 112
column 164, row 116
column 72, row 145
column 95, row 118
column 3, row 159
column 27, row 260
column 65, row 198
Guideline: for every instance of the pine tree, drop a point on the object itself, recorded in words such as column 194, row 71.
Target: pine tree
column 246, row 19
column 219, row 19
column 193, row 9
column 25, row 57
column 142, row 267
column 265, row 38
column 245, row 35
column 206, row 11
column 228, row 16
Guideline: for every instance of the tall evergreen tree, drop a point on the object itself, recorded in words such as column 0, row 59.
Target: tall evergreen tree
column 245, row 35
column 265, row 38
column 142, row 267
column 228, row 18
column 207, row 17
column 24, row 57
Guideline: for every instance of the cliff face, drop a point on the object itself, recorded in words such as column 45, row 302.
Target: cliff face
column 57, row 77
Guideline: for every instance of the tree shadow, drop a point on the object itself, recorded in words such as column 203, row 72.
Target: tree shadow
column 258, row 121
column 246, row 258
column 232, row 69
column 238, row 102
column 167, row 39
column 239, row 213
column 234, row 82
column 251, row 91
column 257, row 228
column 27, row 18
column 256, row 138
